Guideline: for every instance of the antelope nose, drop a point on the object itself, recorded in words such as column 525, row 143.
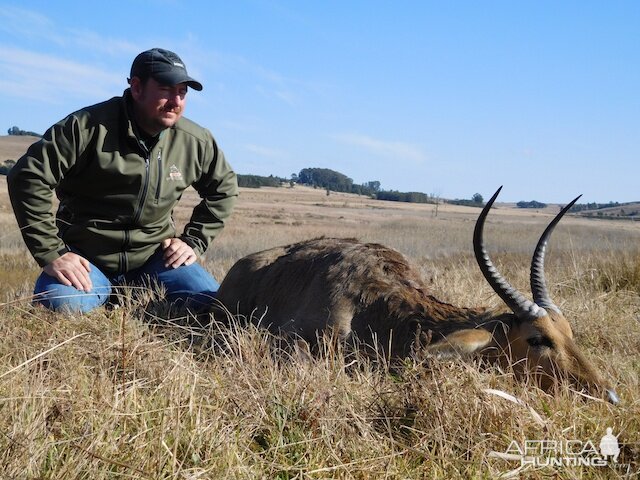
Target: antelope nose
column 613, row 397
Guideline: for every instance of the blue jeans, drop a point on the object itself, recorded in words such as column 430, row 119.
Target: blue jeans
column 191, row 286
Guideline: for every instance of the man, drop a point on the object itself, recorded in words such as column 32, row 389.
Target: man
column 118, row 169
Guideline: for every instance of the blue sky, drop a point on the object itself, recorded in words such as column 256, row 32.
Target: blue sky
column 450, row 98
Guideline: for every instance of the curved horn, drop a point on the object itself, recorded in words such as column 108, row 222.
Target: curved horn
column 538, row 283
column 518, row 303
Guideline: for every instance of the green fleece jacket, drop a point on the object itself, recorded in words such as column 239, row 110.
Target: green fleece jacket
column 117, row 197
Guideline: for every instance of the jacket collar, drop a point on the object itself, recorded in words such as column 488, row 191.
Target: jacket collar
column 133, row 130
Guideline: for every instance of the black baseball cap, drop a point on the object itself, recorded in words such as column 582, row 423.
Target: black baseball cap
column 163, row 66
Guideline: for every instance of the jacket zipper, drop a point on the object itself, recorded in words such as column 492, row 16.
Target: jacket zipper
column 124, row 260
column 124, row 263
column 159, row 184
column 145, row 187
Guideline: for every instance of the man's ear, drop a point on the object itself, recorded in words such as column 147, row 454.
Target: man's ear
column 461, row 343
column 136, row 87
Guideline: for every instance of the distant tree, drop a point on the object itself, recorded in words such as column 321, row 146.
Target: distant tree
column 531, row 204
column 435, row 196
column 16, row 131
column 477, row 198
column 374, row 186
column 335, row 181
column 325, row 178
column 475, row 201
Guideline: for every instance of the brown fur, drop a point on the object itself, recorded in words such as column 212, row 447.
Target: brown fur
column 372, row 291
column 338, row 283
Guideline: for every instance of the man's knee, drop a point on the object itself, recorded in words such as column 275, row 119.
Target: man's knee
column 69, row 299
column 188, row 279
column 62, row 298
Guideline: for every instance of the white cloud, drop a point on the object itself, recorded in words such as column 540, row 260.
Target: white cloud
column 389, row 149
column 51, row 79
column 27, row 24
column 265, row 151
column 39, row 75
column 95, row 43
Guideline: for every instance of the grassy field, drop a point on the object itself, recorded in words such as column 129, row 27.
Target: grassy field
column 137, row 393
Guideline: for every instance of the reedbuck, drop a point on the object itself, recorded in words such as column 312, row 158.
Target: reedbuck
column 372, row 292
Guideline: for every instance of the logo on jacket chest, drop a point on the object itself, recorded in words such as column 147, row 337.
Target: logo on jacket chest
column 174, row 174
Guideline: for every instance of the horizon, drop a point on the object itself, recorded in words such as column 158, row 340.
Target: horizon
column 444, row 99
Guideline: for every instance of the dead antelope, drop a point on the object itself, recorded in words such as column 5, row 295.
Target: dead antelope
column 373, row 292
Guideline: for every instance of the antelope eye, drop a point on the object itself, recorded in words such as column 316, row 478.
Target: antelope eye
column 539, row 341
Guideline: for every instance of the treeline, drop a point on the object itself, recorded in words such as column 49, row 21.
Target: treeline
column 579, row 207
column 256, row 181
column 314, row 177
column 475, row 201
column 334, row 181
column 16, row 131
column 411, row 197
column 531, row 204
column 338, row 182
column 466, row 202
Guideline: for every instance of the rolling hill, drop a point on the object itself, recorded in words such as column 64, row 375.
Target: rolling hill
column 13, row 146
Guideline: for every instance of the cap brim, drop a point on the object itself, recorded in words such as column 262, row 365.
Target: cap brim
column 173, row 78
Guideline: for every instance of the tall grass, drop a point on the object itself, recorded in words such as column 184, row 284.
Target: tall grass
column 142, row 392
column 123, row 398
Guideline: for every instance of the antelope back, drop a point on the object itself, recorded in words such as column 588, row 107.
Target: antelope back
column 323, row 283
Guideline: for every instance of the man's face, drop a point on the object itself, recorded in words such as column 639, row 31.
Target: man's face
column 157, row 106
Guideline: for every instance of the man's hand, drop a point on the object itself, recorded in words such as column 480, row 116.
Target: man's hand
column 71, row 269
column 177, row 253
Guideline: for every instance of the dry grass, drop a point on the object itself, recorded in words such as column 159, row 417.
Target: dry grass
column 13, row 147
column 135, row 393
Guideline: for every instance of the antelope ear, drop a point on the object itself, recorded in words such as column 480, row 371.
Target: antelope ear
column 460, row 343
